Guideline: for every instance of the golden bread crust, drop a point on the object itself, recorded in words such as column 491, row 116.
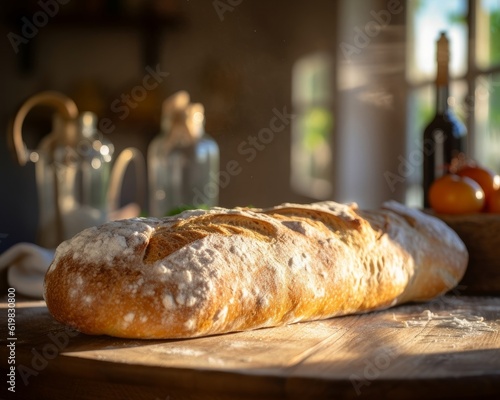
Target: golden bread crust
column 218, row 271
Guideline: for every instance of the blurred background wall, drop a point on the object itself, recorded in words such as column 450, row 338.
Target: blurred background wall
column 241, row 60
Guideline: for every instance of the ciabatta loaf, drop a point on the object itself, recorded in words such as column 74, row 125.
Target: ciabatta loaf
column 225, row 270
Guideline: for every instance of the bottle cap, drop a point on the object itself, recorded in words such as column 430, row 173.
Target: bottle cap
column 195, row 120
column 443, row 59
column 87, row 123
column 173, row 109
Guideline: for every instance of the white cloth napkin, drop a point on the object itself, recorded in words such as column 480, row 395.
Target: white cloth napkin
column 27, row 264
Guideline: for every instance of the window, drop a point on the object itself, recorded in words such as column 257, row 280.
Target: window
column 311, row 157
column 474, row 70
column 487, row 83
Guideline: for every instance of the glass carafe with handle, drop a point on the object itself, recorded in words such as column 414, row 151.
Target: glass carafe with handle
column 73, row 169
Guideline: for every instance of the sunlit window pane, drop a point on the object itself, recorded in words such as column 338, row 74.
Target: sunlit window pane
column 311, row 80
column 426, row 19
column 311, row 152
column 488, row 33
column 487, row 149
column 420, row 111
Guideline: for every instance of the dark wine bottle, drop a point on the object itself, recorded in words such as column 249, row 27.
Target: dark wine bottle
column 445, row 137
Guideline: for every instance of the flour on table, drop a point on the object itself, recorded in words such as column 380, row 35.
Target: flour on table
column 461, row 321
column 178, row 351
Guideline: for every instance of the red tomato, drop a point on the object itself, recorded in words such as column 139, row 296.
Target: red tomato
column 487, row 179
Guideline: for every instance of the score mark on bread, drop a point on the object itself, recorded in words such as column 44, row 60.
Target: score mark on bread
column 167, row 240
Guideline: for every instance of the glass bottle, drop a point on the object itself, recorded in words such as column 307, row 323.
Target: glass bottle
column 445, row 136
column 183, row 160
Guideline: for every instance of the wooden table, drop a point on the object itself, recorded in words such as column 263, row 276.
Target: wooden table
column 446, row 348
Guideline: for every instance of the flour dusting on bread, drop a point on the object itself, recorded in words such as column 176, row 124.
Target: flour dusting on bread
column 214, row 271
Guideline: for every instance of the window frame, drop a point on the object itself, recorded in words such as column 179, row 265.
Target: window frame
column 470, row 78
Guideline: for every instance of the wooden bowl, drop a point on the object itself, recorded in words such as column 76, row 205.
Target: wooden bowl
column 481, row 235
